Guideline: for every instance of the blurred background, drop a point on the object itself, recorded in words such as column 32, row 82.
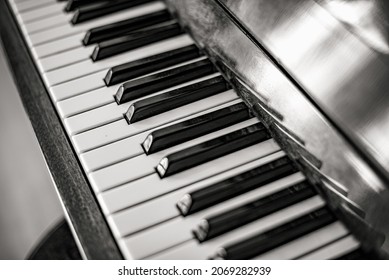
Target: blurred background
column 29, row 206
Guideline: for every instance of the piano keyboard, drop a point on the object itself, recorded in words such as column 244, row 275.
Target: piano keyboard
column 179, row 165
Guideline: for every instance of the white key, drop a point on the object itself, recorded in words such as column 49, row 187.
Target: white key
column 144, row 165
column 144, row 244
column 126, row 148
column 69, row 29
column 62, row 59
column 15, row 2
column 86, row 67
column 152, row 186
column 334, row 250
column 113, row 153
column 58, row 51
column 307, row 243
column 44, row 24
column 112, row 112
column 85, row 102
column 94, row 81
column 78, row 86
column 15, row 5
column 31, row 5
column 162, row 209
column 19, row 2
column 119, row 130
column 94, row 118
column 55, row 8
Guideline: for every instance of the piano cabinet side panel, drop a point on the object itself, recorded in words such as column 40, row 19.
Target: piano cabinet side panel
column 350, row 185
column 80, row 204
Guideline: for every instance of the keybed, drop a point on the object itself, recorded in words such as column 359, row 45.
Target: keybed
column 179, row 165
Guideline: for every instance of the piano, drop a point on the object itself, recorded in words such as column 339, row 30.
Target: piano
column 210, row 129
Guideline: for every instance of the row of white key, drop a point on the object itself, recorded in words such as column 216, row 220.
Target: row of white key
column 99, row 133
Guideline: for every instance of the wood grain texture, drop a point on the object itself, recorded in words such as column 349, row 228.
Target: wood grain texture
column 79, row 201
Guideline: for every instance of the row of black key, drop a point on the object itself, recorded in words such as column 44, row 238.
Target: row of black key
column 87, row 11
column 136, row 39
column 173, row 135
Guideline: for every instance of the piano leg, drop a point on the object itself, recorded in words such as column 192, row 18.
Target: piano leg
column 58, row 244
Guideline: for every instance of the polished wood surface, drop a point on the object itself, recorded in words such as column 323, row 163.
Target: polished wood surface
column 351, row 183
column 337, row 52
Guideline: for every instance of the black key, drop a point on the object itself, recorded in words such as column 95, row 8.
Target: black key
column 216, row 225
column 212, row 149
column 184, row 131
column 135, row 40
column 170, row 100
column 236, row 185
column 113, row 30
column 84, row 13
column 281, row 235
column 150, row 84
column 150, row 64
column 74, row 4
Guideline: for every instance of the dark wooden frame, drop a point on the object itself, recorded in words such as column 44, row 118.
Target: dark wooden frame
column 74, row 190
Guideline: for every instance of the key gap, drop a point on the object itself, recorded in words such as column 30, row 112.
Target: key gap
column 138, row 178
column 100, row 125
column 82, row 76
column 171, row 247
column 184, row 186
column 31, row 8
column 68, row 97
column 149, row 227
column 61, row 51
column 46, row 15
column 56, row 39
column 45, row 28
column 115, row 162
column 65, row 65
column 323, row 246
column 90, row 109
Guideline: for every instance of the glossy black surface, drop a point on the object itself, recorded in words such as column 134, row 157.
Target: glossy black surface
column 74, row 4
column 271, row 239
column 170, row 100
column 237, row 217
column 152, row 83
column 135, row 40
column 239, row 184
column 85, row 13
column 184, row 131
column 133, row 69
column 113, row 30
column 212, row 149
